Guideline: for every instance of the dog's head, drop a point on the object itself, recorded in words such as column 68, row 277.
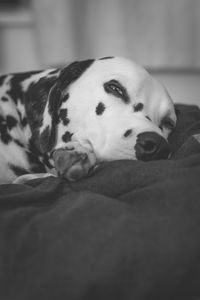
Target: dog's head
column 111, row 104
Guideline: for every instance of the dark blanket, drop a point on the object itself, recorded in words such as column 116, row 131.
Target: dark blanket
column 130, row 231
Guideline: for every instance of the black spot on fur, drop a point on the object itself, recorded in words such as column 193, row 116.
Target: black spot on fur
column 18, row 143
column 67, row 136
column 18, row 170
column 63, row 116
column 15, row 91
column 128, row 132
column 67, row 76
column 54, row 94
column 37, row 96
column 65, row 98
column 54, row 103
column 46, row 140
column 33, row 148
column 35, row 158
column 19, row 114
column 147, row 117
column 4, row 99
column 48, row 91
column 72, row 72
column 11, row 122
column 46, row 160
column 100, row 108
column 36, row 100
column 66, row 121
column 63, row 113
column 138, row 107
column 106, row 57
column 38, row 159
column 5, row 136
column 36, row 166
column 24, row 122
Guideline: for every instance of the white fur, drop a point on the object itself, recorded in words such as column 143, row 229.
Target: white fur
column 105, row 133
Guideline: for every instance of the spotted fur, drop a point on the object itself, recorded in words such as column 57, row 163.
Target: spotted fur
column 98, row 105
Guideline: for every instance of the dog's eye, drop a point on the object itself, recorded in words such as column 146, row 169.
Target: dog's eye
column 115, row 88
column 167, row 123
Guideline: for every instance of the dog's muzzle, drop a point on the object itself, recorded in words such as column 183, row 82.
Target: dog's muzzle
column 151, row 146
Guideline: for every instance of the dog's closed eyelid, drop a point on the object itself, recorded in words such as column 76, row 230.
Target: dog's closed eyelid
column 168, row 123
column 115, row 88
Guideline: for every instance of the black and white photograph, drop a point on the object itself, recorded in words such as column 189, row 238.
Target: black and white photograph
column 100, row 149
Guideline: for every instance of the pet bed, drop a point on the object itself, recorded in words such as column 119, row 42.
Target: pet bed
column 130, row 231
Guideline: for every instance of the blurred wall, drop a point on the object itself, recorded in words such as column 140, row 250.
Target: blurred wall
column 162, row 35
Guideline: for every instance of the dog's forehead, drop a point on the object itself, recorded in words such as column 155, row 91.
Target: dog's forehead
column 117, row 67
column 140, row 85
column 129, row 74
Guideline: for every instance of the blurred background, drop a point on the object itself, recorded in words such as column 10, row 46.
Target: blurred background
column 161, row 35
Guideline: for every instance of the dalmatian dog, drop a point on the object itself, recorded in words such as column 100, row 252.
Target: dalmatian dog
column 66, row 121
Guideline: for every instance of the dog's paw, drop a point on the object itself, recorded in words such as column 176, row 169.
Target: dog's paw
column 74, row 161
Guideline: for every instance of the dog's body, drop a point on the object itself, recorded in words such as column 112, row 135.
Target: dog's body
column 71, row 119
column 17, row 153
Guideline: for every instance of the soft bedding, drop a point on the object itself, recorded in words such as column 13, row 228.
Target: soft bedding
column 130, row 231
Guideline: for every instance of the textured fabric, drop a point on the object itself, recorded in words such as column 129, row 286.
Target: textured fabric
column 130, row 231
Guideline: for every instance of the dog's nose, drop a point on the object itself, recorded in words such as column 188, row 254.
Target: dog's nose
column 151, row 146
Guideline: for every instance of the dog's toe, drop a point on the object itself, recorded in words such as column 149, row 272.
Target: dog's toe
column 74, row 165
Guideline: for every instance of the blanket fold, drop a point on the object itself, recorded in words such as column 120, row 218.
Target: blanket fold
column 130, row 231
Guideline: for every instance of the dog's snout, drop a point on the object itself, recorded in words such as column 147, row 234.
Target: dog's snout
column 151, row 146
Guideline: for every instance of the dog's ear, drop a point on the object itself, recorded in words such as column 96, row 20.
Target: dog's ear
column 44, row 100
column 40, row 119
